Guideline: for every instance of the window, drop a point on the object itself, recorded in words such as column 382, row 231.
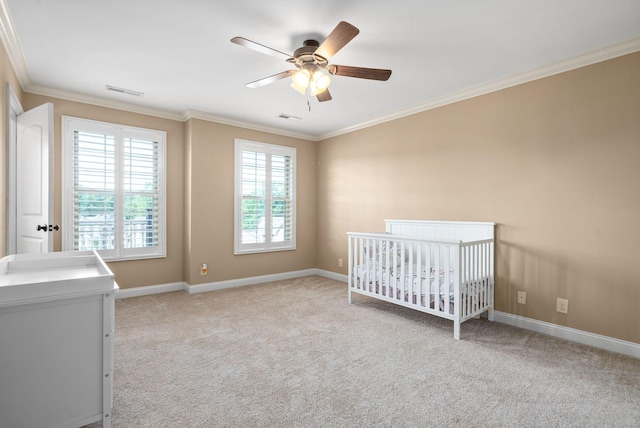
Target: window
column 265, row 183
column 113, row 189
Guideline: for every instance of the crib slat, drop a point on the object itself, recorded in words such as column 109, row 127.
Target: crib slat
column 350, row 266
column 436, row 276
column 474, row 290
column 408, row 297
column 476, row 282
column 478, row 277
column 376, row 267
column 447, row 280
column 464, row 279
column 482, row 275
column 478, row 292
column 385, row 278
column 464, row 287
column 394, row 293
column 356, row 262
column 363, row 263
column 428, row 266
column 405, row 285
column 400, row 268
column 471, row 280
column 367, row 275
column 470, row 283
column 420, row 292
column 378, row 270
column 485, row 274
column 381, row 268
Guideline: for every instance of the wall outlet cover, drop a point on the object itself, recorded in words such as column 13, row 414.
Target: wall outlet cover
column 562, row 306
column 522, row 297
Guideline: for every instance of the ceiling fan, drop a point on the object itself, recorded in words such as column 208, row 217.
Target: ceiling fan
column 313, row 74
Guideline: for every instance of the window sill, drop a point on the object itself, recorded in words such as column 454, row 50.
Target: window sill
column 132, row 258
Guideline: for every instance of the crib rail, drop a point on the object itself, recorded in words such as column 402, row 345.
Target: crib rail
column 447, row 278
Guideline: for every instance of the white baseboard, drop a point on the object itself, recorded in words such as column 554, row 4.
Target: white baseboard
column 332, row 275
column 596, row 340
column 240, row 282
column 220, row 285
column 149, row 289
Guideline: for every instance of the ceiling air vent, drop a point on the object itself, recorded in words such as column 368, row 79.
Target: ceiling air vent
column 288, row 116
column 124, row 91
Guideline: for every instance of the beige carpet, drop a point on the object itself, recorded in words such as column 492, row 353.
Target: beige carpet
column 295, row 353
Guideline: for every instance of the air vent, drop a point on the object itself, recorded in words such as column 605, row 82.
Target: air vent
column 288, row 116
column 124, row 91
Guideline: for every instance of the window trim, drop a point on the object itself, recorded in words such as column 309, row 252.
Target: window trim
column 119, row 253
column 241, row 145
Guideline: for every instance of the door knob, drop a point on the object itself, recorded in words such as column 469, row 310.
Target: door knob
column 48, row 228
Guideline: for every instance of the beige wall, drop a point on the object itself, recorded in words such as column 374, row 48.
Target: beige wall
column 555, row 163
column 211, row 159
column 142, row 272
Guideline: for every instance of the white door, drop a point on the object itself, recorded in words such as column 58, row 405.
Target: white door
column 34, row 180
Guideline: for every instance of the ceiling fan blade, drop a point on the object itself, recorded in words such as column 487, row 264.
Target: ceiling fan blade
column 359, row 72
column 259, row 48
column 324, row 96
column 339, row 37
column 267, row 80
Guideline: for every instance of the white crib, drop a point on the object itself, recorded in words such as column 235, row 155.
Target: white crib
column 442, row 268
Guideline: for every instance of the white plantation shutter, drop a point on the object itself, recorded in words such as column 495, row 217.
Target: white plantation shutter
column 141, row 193
column 254, row 196
column 265, row 197
column 113, row 190
column 93, row 191
column 281, row 198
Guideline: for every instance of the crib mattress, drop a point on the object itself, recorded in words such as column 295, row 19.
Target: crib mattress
column 419, row 288
column 414, row 278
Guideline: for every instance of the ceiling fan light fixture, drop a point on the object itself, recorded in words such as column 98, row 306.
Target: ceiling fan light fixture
column 316, row 88
column 316, row 83
column 301, row 79
column 321, row 80
column 298, row 88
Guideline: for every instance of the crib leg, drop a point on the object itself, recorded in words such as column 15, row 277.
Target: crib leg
column 490, row 314
column 456, row 330
column 349, row 294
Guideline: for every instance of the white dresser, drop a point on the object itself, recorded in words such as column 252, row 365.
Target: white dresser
column 57, row 320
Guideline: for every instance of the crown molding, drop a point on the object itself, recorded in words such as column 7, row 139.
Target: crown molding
column 102, row 102
column 181, row 117
column 12, row 45
column 594, row 57
column 196, row 114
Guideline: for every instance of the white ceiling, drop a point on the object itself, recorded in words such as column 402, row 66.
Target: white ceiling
column 179, row 55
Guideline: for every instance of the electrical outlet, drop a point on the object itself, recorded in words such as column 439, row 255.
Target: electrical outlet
column 203, row 269
column 522, row 297
column 562, row 306
column 339, row 262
